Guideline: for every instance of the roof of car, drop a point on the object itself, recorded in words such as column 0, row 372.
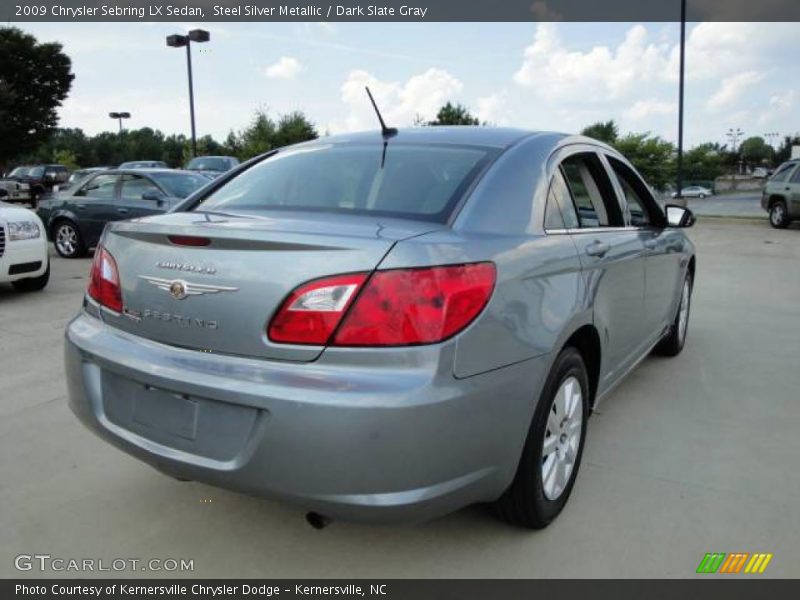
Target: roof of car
column 461, row 134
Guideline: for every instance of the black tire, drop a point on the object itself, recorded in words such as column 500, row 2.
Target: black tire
column 673, row 342
column 76, row 249
column 701, row 196
column 33, row 284
column 779, row 215
column 525, row 502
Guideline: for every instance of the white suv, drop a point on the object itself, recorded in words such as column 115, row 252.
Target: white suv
column 23, row 249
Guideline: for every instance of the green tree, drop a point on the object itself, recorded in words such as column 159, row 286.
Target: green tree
column 652, row 156
column 34, row 79
column 294, row 128
column 756, row 151
column 703, row 163
column 66, row 158
column 454, row 114
column 607, row 131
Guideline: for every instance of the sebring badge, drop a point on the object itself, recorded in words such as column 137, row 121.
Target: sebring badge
column 180, row 289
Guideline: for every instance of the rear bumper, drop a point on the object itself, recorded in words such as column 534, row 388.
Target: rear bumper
column 348, row 436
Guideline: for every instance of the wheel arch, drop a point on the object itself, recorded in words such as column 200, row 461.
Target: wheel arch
column 586, row 340
column 773, row 199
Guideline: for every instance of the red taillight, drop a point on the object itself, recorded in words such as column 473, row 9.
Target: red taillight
column 311, row 312
column 104, row 280
column 189, row 240
column 397, row 307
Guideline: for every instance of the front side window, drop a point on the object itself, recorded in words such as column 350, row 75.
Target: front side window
column 635, row 194
column 101, row 187
column 134, row 186
column 783, row 172
column 796, row 176
column 414, row 181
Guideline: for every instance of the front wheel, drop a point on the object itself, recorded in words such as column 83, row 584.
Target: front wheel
column 674, row 341
column 33, row 284
column 553, row 448
column 68, row 241
column 778, row 215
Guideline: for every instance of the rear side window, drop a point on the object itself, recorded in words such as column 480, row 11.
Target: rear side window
column 591, row 191
column 796, row 176
column 560, row 212
column 420, row 182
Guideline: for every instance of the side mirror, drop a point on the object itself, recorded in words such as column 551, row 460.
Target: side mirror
column 678, row 216
column 153, row 196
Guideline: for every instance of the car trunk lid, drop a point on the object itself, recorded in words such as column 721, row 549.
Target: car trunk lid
column 221, row 296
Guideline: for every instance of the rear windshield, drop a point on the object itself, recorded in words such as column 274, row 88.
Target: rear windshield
column 180, row 185
column 420, row 182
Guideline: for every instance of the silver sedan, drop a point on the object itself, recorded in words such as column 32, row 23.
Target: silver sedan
column 384, row 327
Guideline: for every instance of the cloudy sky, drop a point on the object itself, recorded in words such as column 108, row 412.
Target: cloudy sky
column 555, row 76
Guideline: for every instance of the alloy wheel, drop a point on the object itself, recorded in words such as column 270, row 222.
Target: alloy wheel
column 67, row 239
column 562, row 438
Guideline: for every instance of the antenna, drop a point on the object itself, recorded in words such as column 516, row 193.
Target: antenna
column 385, row 131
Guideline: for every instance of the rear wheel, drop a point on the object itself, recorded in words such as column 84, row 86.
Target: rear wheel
column 33, row 284
column 553, row 448
column 68, row 241
column 778, row 215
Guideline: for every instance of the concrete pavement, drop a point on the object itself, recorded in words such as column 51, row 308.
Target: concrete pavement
column 689, row 455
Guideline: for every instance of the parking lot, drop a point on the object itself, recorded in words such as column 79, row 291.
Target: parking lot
column 689, row 455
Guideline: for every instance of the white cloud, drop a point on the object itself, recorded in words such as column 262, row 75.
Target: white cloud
column 785, row 101
column 597, row 75
column 400, row 102
column 732, row 89
column 493, row 108
column 286, row 67
column 644, row 109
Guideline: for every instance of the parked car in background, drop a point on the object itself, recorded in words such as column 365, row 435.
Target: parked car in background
column 77, row 176
column 23, row 248
column 760, row 173
column 781, row 196
column 144, row 164
column 29, row 183
column 74, row 220
column 694, row 191
column 384, row 329
column 213, row 166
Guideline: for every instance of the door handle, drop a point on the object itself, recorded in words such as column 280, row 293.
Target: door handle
column 597, row 248
column 650, row 244
column 122, row 211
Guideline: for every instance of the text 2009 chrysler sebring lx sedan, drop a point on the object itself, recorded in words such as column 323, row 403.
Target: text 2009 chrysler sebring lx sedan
column 384, row 328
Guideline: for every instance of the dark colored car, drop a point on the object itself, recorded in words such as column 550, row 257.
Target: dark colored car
column 144, row 164
column 213, row 166
column 75, row 219
column 31, row 182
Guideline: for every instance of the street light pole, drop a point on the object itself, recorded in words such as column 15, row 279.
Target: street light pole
column 679, row 182
column 119, row 116
column 177, row 41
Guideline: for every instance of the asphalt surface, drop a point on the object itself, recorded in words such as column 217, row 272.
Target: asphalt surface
column 732, row 205
column 689, row 455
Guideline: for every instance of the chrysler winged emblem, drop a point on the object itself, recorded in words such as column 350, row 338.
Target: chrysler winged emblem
column 180, row 289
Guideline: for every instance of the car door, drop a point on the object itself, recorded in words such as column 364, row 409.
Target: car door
column 664, row 248
column 613, row 261
column 132, row 204
column 794, row 191
column 92, row 203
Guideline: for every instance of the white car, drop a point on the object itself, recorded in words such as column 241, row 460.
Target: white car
column 23, row 249
column 694, row 191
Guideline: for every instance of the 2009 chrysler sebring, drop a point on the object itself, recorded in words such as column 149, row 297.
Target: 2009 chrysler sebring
column 384, row 327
